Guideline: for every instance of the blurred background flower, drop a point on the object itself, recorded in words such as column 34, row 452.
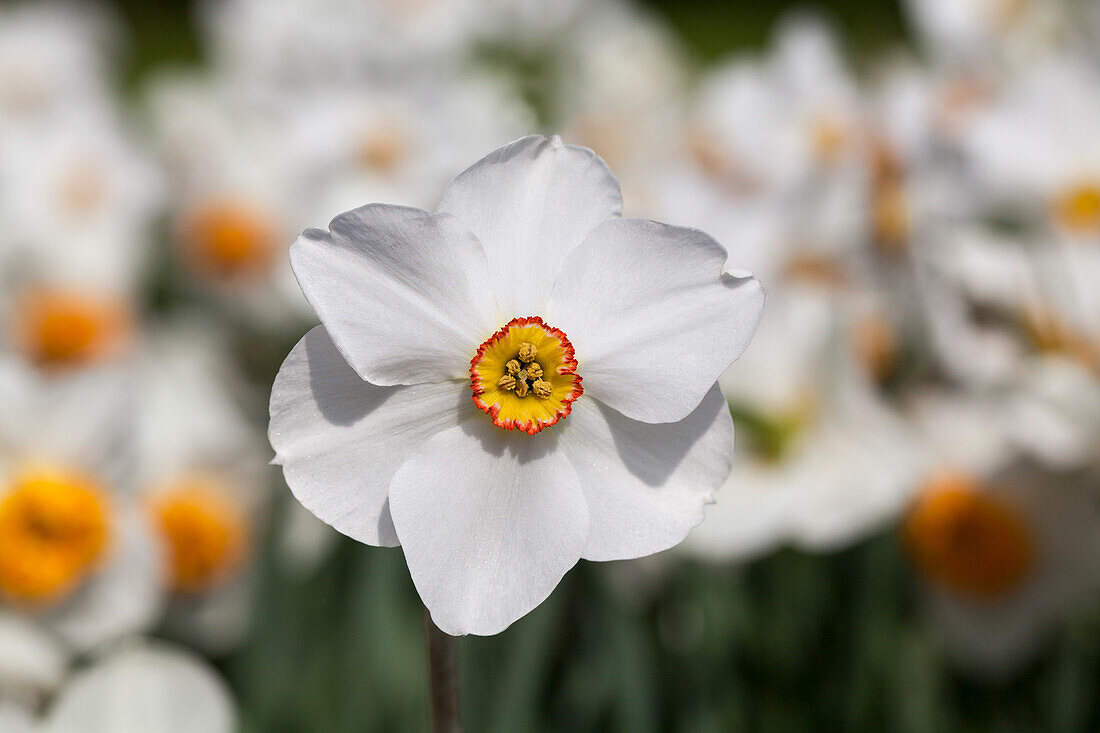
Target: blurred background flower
column 908, row 540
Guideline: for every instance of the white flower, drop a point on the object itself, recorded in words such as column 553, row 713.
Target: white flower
column 825, row 460
column 32, row 661
column 96, row 577
column 1036, row 150
column 53, row 58
column 201, row 475
column 525, row 264
column 1004, row 559
column 78, row 197
column 962, row 32
column 309, row 41
column 150, row 688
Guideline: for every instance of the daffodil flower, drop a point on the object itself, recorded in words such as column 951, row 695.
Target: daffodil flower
column 517, row 381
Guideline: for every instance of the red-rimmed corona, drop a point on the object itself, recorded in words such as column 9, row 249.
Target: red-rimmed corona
column 525, row 375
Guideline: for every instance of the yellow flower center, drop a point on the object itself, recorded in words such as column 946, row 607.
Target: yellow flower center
column 816, row 270
column 525, row 376
column 968, row 540
column 56, row 329
column 829, row 137
column 204, row 532
column 890, row 219
column 53, row 530
column 1077, row 210
column 230, row 240
column 383, row 149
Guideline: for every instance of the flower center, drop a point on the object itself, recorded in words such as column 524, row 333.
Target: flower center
column 1051, row 335
column 876, row 347
column 382, row 150
column 828, row 136
column 204, row 533
column 1077, row 209
column 81, row 191
column 230, row 240
column 525, row 376
column 57, row 329
column 968, row 540
column 54, row 528
column 890, row 217
column 816, row 270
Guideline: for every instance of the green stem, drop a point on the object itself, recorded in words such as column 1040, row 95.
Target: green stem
column 442, row 678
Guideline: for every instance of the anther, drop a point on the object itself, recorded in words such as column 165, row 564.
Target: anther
column 542, row 388
column 527, row 352
column 512, row 366
column 507, row 382
column 534, row 371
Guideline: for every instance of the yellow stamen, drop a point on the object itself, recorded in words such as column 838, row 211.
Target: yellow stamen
column 967, row 539
column 504, row 373
column 57, row 329
column 527, row 352
column 53, row 531
column 205, row 534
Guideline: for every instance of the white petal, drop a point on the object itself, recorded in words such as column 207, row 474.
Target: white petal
column 16, row 718
column 490, row 522
column 159, row 689
column 646, row 484
column 124, row 598
column 404, row 294
column 652, row 316
column 530, row 203
column 31, row 661
column 340, row 439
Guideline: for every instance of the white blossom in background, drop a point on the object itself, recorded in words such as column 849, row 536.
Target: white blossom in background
column 825, row 460
column 55, row 59
column 526, row 283
column 302, row 42
column 33, row 662
column 1005, row 550
column 65, row 464
column 1003, row 35
column 143, row 687
column 203, row 481
column 78, row 196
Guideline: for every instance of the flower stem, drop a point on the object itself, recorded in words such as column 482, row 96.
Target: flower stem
column 442, row 678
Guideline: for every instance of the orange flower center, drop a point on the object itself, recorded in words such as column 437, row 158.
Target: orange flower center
column 967, row 540
column 1077, row 210
column 525, row 376
column 61, row 329
column 829, row 137
column 230, row 240
column 383, row 149
column 53, row 530
column 890, row 218
column 204, row 532
column 876, row 347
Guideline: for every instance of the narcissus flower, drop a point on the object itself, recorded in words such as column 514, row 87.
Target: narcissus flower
column 517, row 381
